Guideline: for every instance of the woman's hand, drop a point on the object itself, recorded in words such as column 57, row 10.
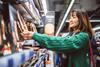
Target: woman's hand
column 27, row 34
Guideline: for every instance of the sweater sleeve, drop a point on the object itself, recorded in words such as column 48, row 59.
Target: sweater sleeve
column 63, row 44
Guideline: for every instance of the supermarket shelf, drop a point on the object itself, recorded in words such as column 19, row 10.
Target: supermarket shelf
column 16, row 59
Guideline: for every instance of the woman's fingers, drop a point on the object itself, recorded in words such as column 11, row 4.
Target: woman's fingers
column 27, row 34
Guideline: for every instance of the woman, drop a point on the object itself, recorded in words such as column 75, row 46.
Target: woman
column 75, row 45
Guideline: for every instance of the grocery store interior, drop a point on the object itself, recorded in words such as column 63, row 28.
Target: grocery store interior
column 49, row 17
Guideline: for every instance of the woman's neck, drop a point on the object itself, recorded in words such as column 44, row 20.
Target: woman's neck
column 75, row 31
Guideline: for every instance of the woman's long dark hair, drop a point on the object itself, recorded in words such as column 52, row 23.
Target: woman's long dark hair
column 84, row 23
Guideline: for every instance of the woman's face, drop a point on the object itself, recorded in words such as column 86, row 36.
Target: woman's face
column 73, row 21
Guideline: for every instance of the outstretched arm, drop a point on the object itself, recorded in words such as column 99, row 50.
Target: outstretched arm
column 63, row 44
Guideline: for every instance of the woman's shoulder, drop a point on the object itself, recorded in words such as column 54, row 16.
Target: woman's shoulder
column 83, row 34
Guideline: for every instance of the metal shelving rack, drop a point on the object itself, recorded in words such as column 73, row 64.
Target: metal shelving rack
column 9, row 14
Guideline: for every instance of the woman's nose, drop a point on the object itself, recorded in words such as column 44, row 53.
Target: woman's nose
column 71, row 19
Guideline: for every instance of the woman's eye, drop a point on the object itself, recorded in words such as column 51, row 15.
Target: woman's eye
column 74, row 16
